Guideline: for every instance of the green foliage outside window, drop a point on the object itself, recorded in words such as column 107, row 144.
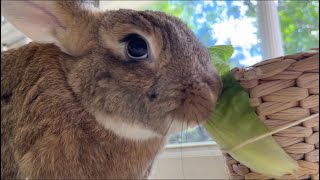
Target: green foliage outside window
column 299, row 25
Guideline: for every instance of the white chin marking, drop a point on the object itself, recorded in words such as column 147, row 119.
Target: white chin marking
column 123, row 129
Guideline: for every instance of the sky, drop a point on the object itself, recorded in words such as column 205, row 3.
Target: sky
column 239, row 30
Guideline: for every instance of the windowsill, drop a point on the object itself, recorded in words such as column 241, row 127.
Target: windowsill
column 203, row 160
column 191, row 150
column 193, row 144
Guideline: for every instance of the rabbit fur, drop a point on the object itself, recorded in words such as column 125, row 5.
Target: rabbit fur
column 72, row 104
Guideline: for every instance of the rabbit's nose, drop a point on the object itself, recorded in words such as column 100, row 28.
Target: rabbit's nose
column 200, row 90
column 152, row 95
column 197, row 102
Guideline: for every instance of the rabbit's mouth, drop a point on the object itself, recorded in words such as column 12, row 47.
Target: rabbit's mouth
column 193, row 107
column 192, row 112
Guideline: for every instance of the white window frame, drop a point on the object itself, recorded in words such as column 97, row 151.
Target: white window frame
column 269, row 29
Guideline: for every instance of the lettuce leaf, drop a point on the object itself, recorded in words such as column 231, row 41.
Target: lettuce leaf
column 220, row 55
column 235, row 121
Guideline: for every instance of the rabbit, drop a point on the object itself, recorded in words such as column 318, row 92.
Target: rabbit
column 97, row 94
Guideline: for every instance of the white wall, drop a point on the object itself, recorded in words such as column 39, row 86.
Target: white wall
column 190, row 161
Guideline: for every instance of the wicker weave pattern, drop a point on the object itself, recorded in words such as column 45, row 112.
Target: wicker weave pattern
column 283, row 90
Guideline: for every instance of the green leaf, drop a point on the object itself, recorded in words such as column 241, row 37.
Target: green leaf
column 221, row 51
column 220, row 55
column 235, row 121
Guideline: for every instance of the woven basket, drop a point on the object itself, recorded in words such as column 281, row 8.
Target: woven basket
column 283, row 90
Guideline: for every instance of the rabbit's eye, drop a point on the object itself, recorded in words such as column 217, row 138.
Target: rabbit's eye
column 137, row 48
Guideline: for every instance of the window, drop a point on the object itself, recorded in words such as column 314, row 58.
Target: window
column 221, row 22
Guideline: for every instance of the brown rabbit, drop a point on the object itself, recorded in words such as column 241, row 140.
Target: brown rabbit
column 97, row 94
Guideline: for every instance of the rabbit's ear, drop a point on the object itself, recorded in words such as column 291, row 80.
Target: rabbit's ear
column 64, row 23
